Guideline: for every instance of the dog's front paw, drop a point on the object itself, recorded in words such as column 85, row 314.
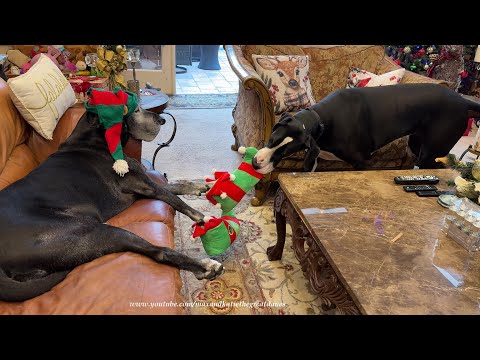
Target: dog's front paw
column 195, row 187
column 212, row 269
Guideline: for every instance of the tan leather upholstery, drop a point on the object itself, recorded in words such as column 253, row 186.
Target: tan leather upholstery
column 121, row 283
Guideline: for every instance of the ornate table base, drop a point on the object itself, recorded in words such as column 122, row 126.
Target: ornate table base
column 315, row 265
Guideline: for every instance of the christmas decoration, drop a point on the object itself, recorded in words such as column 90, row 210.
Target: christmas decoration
column 111, row 107
column 229, row 189
column 449, row 66
column 217, row 234
column 112, row 60
column 416, row 58
column 467, row 184
column 437, row 60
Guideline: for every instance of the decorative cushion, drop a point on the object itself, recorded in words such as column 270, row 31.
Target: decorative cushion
column 360, row 78
column 42, row 96
column 288, row 80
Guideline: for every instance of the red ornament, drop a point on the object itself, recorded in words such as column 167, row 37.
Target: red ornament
column 421, row 51
column 464, row 74
column 398, row 62
column 400, row 50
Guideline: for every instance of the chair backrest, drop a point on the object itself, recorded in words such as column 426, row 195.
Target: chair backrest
column 329, row 64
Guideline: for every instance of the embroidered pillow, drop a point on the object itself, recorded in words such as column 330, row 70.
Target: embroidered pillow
column 287, row 79
column 42, row 95
column 360, row 78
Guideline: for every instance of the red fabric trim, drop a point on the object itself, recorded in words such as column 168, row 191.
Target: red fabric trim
column 233, row 191
column 98, row 97
column 227, row 225
column 216, row 188
column 112, row 135
column 248, row 168
column 235, row 220
column 224, row 184
column 199, row 230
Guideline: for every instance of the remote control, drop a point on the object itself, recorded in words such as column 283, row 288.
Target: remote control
column 427, row 193
column 413, row 188
column 416, row 179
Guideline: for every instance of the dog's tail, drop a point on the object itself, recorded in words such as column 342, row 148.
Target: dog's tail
column 473, row 105
column 12, row 290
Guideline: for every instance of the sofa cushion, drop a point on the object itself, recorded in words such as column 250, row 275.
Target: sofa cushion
column 329, row 67
column 18, row 165
column 249, row 50
column 277, row 72
column 12, row 126
column 120, row 283
column 43, row 148
column 361, row 78
column 42, row 95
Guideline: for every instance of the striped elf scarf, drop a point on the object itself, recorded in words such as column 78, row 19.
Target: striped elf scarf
column 111, row 107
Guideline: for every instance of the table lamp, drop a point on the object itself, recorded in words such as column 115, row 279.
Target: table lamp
column 133, row 56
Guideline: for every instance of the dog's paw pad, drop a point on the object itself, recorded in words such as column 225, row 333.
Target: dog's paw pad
column 213, row 269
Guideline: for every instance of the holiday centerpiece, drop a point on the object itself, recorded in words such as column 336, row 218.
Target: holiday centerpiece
column 112, row 62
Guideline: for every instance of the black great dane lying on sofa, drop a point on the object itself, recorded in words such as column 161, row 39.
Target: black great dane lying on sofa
column 52, row 220
column 354, row 123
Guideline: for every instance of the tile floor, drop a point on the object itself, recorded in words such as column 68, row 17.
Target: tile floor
column 198, row 81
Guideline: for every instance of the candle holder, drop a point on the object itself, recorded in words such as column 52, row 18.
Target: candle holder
column 133, row 56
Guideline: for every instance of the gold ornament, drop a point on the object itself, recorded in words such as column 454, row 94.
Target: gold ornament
column 113, row 64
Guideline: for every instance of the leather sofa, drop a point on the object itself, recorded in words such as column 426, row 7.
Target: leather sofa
column 120, row 283
column 329, row 66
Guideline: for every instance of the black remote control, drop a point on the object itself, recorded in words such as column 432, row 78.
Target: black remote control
column 416, row 180
column 413, row 188
column 427, row 193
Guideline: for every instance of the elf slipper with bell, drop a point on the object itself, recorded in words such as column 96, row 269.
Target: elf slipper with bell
column 228, row 189
column 217, row 234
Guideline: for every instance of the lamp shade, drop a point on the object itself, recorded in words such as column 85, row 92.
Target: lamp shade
column 477, row 54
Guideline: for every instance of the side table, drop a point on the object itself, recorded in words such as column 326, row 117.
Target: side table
column 156, row 101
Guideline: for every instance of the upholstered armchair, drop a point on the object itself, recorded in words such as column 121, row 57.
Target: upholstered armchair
column 254, row 115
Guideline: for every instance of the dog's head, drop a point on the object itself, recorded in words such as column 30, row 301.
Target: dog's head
column 143, row 125
column 289, row 136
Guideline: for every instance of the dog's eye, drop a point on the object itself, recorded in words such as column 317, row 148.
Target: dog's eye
column 280, row 73
column 297, row 72
column 137, row 110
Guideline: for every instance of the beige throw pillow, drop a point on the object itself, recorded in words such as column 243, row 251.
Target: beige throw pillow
column 287, row 78
column 42, row 95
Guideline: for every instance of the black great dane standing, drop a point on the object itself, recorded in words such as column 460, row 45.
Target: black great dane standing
column 354, row 123
column 53, row 219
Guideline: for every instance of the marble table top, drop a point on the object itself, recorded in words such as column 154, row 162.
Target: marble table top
column 386, row 245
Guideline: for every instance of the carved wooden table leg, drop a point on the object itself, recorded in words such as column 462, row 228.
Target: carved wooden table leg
column 280, row 205
column 315, row 265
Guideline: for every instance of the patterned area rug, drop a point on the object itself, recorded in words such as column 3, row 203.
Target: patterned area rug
column 251, row 283
column 202, row 101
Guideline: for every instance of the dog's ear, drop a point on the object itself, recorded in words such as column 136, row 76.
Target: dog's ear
column 284, row 119
column 310, row 162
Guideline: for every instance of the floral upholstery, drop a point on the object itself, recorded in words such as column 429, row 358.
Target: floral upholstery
column 329, row 68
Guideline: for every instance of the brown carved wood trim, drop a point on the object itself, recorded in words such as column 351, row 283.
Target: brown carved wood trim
column 317, row 266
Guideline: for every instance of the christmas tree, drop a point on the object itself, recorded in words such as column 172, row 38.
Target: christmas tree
column 416, row 58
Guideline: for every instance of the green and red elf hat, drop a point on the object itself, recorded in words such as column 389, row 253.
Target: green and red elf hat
column 217, row 234
column 111, row 107
column 229, row 189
